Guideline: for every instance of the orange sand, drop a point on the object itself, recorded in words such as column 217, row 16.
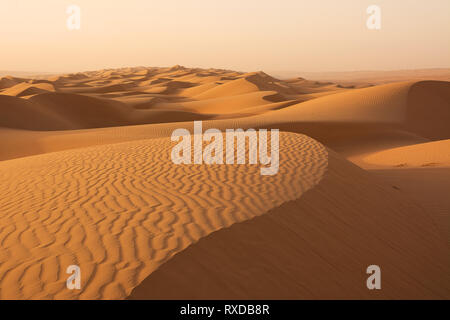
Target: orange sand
column 87, row 179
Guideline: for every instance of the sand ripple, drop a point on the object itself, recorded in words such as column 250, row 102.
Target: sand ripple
column 121, row 210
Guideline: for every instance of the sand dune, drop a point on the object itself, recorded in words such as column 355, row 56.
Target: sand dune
column 26, row 89
column 366, row 120
column 328, row 238
column 65, row 111
column 131, row 209
column 421, row 171
column 82, row 111
column 353, row 122
column 103, row 99
column 88, row 180
column 432, row 154
column 234, row 87
column 427, row 186
column 373, row 77
column 429, row 109
column 17, row 113
column 419, row 107
column 9, row 81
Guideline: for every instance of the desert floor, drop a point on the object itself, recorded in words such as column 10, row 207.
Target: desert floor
column 87, row 180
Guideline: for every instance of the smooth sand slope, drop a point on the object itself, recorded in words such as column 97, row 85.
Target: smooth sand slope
column 429, row 154
column 87, row 179
column 421, row 171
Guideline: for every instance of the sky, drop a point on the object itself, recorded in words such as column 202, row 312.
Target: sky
column 244, row 35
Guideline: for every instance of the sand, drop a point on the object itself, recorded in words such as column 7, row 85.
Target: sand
column 364, row 78
column 429, row 154
column 88, row 180
column 119, row 211
column 328, row 238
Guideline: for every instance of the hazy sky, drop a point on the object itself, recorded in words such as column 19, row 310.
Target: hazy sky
column 246, row 35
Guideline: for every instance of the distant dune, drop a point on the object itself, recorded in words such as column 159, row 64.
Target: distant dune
column 382, row 76
column 87, row 179
column 371, row 77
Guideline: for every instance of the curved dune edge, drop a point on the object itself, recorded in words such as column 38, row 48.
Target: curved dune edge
column 429, row 154
column 317, row 246
column 119, row 211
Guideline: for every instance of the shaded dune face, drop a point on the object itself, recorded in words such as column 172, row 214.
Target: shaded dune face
column 119, row 211
column 429, row 109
